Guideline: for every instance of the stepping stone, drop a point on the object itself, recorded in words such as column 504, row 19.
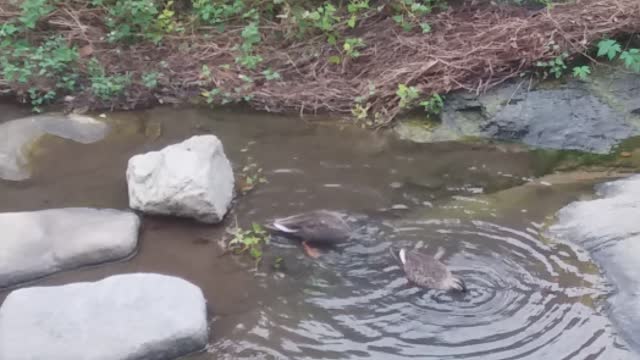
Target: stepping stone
column 123, row 317
column 39, row 243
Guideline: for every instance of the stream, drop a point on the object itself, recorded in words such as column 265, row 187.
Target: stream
column 529, row 297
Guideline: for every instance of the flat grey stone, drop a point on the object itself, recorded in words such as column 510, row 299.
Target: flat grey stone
column 39, row 243
column 609, row 229
column 17, row 135
column 123, row 317
column 191, row 179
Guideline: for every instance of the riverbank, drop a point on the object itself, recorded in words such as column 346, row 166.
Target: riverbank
column 370, row 62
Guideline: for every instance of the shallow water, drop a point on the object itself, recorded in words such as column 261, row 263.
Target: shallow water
column 528, row 297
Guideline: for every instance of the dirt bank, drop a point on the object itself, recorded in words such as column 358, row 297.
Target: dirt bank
column 472, row 47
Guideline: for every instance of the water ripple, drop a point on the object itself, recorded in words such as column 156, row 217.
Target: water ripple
column 526, row 300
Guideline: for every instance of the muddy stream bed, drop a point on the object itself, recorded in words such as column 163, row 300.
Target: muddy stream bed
column 529, row 297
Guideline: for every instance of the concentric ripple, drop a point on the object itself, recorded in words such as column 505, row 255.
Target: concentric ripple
column 526, row 300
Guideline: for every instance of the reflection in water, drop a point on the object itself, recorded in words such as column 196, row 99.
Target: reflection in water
column 527, row 299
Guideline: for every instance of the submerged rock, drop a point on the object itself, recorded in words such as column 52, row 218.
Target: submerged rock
column 123, row 317
column 17, row 135
column 190, row 179
column 39, row 243
column 587, row 116
column 609, row 229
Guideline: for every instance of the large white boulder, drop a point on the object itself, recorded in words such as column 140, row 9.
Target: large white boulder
column 38, row 243
column 190, row 179
column 609, row 229
column 123, row 317
column 17, row 135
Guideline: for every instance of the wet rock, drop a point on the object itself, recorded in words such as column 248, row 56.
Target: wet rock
column 587, row 116
column 17, row 135
column 123, row 317
column 608, row 228
column 39, row 243
column 190, row 179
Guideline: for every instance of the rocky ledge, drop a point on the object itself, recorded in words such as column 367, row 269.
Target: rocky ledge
column 609, row 229
column 592, row 116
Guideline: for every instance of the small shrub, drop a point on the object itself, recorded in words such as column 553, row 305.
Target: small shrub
column 106, row 86
column 407, row 95
column 252, row 240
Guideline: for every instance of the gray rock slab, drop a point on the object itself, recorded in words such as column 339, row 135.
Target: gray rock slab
column 123, row 317
column 609, row 229
column 39, row 243
column 592, row 116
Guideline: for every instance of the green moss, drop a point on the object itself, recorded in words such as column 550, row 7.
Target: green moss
column 547, row 161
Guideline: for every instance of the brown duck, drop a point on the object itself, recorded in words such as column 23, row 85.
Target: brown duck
column 318, row 227
column 428, row 272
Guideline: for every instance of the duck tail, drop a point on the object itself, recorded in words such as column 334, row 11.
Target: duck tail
column 395, row 253
column 283, row 228
column 458, row 284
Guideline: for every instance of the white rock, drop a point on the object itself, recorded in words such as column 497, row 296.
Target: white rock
column 609, row 229
column 123, row 317
column 17, row 135
column 39, row 243
column 190, row 179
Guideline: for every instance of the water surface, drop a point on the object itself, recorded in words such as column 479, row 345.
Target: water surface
column 528, row 298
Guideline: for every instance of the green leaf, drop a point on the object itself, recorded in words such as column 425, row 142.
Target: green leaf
column 255, row 253
column 335, row 59
column 609, row 47
column 631, row 59
column 581, row 72
column 425, row 28
column 352, row 21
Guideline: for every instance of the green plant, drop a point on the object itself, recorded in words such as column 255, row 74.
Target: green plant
column 351, row 46
column 555, row 66
column 360, row 112
column 218, row 12
column 611, row 49
column 106, row 86
column 252, row 240
column 45, row 69
column 166, row 20
column 433, row 105
column 354, row 7
column 407, row 95
column 581, row 72
column 409, row 12
column 250, row 176
column 270, row 75
column 150, row 80
column 34, row 10
column 323, row 17
column 250, row 37
column 631, row 59
column 130, row 20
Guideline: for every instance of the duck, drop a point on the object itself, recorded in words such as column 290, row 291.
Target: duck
column 317, row 227
column 426, row 271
